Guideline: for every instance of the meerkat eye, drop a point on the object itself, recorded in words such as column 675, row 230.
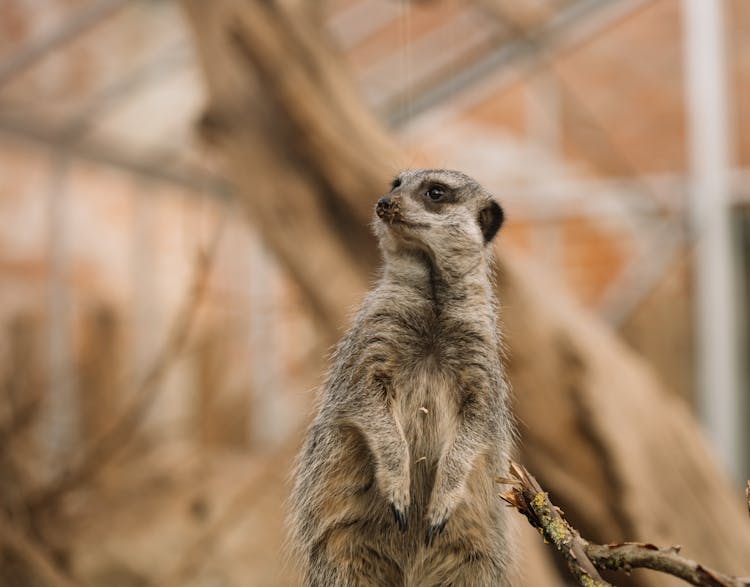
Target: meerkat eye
column 436, row 193
column 395, row 183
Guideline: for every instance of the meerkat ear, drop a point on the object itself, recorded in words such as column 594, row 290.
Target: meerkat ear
column 491, row 218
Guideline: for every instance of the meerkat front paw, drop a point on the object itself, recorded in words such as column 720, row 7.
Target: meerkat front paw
column 436, row 523
column 401, row 516
column 438, row 514
column 393, row 476
column 399, row 502
column 433, row 531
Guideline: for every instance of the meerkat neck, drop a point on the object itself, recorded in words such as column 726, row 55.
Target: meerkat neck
column 444, row 285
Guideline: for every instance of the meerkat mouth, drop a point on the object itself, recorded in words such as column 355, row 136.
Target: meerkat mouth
column 389, row 211
column 394, row 218
column 399, row 221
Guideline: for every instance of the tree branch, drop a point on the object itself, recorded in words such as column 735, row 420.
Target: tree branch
column 583, row 558
column 666, row 560
column 115, row 438
column 30, row 552
column 527, row 496
column 203, row 548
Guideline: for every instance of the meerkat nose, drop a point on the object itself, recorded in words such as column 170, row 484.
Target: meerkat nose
column 388, row 208
column 384, row 205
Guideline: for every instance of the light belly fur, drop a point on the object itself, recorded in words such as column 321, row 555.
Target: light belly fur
column 426, row 407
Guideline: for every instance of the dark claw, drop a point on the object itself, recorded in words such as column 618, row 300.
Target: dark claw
column 401, row 517
column 434, row 531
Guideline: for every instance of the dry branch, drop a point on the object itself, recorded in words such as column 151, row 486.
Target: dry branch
column 21, row 386
column 666, row 560
column 32, row 554
column 115, row 438
column 22, row 417
column 204, row 547
column 528, row 497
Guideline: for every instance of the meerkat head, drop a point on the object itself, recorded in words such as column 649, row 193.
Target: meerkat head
column 437, row 211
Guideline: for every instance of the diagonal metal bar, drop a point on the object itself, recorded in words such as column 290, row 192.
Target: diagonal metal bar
column 604, row 142
column 431, row 60
column 567, row 27
column 80, row 22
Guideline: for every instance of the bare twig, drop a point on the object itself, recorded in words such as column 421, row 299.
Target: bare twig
column 203, row 548
column 527, row 496
column 20, row 386
column 31, row 553
column 666, row 560
column 116, row 437
column 22, row 417
column 747, row 497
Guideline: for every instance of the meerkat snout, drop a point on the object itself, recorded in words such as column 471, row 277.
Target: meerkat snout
column 388, row 208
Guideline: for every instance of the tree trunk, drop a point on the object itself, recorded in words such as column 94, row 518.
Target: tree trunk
column 625, row 459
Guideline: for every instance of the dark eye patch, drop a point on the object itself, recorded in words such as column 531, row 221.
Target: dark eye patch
column 436, row 192
column 396, row 183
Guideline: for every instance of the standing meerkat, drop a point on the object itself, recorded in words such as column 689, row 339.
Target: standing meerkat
column 395, row 483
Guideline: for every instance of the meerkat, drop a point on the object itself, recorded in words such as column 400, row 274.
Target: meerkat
column 394, row 485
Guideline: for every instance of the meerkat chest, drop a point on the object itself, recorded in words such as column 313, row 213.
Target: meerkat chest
column 427, row 408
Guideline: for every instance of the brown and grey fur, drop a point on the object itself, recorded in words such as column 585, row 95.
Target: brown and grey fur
column 394, row 484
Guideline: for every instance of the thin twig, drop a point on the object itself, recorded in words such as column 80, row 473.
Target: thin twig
column 204, row 546
column 114, row 439
column 31, row 553
column 23, row 416
column 527, row 496
column 666, row 560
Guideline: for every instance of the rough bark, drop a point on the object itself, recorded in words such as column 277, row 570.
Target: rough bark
column 584, row 558
column 625, row 459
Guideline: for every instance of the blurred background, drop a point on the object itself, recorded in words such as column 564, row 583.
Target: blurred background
column 169, row 289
